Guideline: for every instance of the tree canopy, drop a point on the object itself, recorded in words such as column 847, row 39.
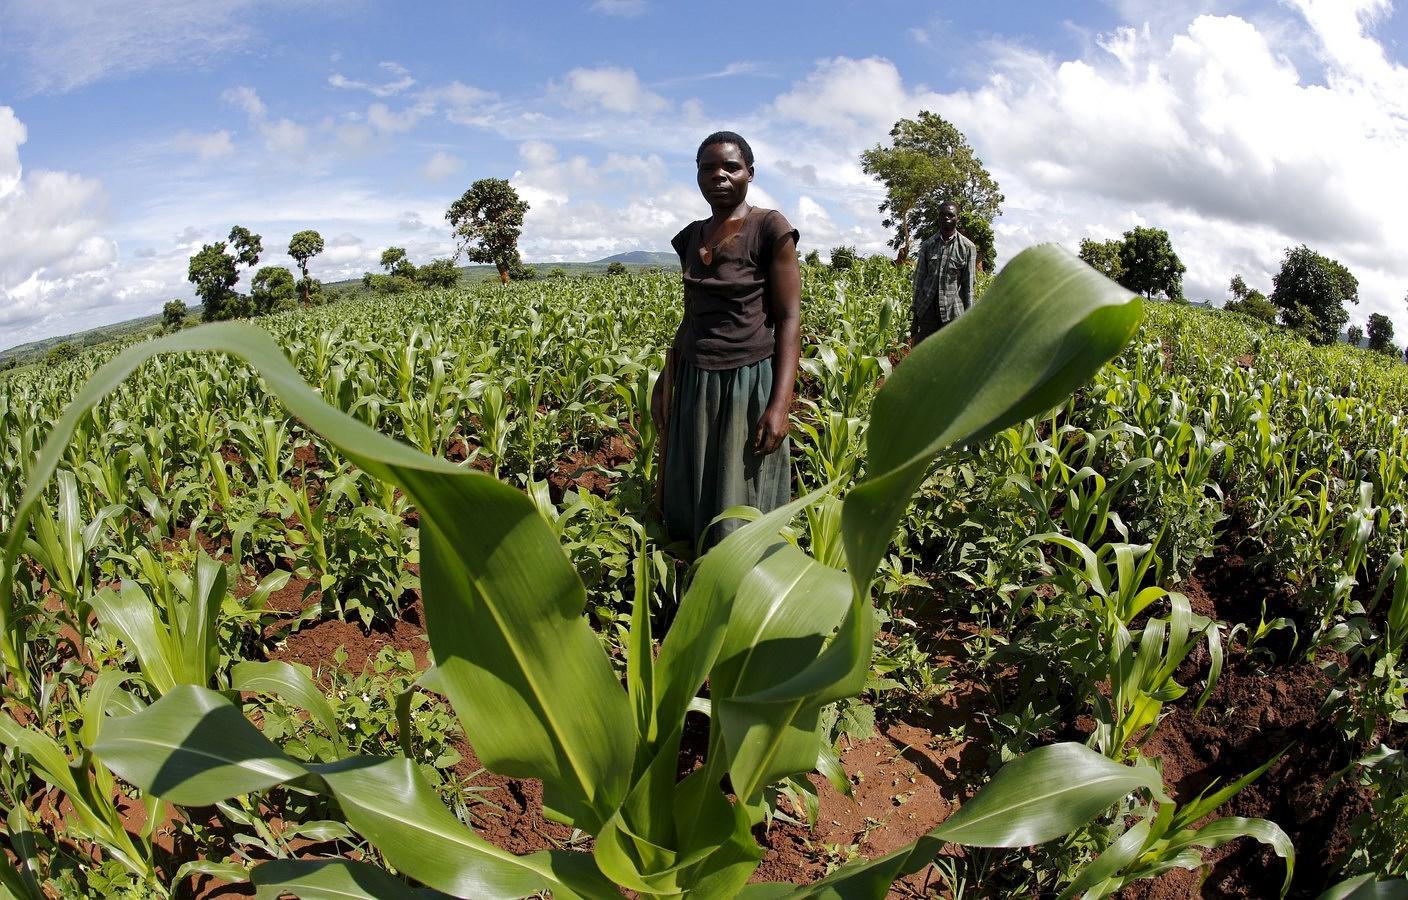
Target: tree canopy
column 1149, row 265
column 1103, row 257
column 1249, row 301
column 1311, row 291
column 271, row 289
column 487, row 221
column 303, row 246
column 1381, row 334
column 1354, row 336
column 928, row 162
column 213, row 272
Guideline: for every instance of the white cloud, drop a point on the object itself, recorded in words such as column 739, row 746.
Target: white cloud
column 1213, row 135
column 55, row 258
column 441, row 165
column 401, row 80
column 614, row 90
column 852, row 95
column 622, row 8
column 282, row 137
column 66, row 44
column 204, row 146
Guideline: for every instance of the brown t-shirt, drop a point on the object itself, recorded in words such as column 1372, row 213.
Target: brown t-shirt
column 726, row 318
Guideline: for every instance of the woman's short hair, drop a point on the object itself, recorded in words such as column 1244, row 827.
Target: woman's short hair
column 726, row 137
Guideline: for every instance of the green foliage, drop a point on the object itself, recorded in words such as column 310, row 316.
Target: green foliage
column 1148, row 264
column 303, row 246
column 1381, row 334
column 557, row 272
column 813, row 258
column 1354, row 336
column 272, row 288
column 979, row 231
column 1311, row 291
column 929, row 162
column 213, row 272
column 1104, row 257
column 394, row 262
column 844, row 257
column 1256, row 305
column 537, row 694
column 616, row 268
column 439, row 273
column 487, row 221
column 173, row 315
column 63, row 351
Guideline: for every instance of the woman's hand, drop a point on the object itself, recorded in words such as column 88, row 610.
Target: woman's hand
column 771, row 431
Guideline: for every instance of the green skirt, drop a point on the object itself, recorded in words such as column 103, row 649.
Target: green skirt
column 710, row 464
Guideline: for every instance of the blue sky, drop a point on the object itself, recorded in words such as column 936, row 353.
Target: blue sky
column 133, row 132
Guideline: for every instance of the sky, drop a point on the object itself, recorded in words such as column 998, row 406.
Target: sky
column 132, row 132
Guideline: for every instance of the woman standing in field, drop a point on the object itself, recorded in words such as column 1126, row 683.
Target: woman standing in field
column 722, row 403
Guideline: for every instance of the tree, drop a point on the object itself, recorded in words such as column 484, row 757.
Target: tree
column 979, row 231
column 63, row 351
column 212, row 271
column 173, row 315
column 1381, row 334
column 487, row 220
column 557, row 272
column 1311, row 291
column 616, row 268
column 1149, row 263
column 928, row 162
column 272, row 289
column 439, row 273
column 812, row 259
column 844, row 257
column 1249, row 301
column 1103, row 257
column 394, row 261
column 303, row 246
column 1354, row 336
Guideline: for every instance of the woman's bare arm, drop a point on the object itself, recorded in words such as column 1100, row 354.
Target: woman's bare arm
column 784, row 299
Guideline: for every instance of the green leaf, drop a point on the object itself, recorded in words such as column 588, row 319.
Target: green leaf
column 331, row 879
column 1047, row 793
column 1044, row 327
column 1368, row 887
column 389, row 802
column 193, row 748
column 290, row 683
column 1220, row 831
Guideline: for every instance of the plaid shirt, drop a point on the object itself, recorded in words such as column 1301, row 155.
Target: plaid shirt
column 943, row 280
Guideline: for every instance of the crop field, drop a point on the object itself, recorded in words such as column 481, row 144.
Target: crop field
column 1093, row 598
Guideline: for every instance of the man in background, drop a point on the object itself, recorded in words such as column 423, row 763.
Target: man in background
column 943, row 279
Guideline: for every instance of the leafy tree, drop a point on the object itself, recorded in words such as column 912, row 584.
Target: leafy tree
column 303, row 246
column 1149, row 263
column 928, row 162
column 439, row 273
column 61, row 352
column 272, row 289
column 1249, row 301
column 394, row 261
column 173, row 315
column 1354, row 336
column 1381, row 334
column 1256, row 305
column 844, row 257
column 247, row 246
column 517, row 271
column 212, row 271
column 1103, row 257
column 487, row 220
column 616, row 268
column 1311, row 291
column 9, row 364
column 979, row 231
column 557, row 272
column 812, row 259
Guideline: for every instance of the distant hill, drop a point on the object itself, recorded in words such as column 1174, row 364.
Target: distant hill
column 642, row 258
column 34, row 350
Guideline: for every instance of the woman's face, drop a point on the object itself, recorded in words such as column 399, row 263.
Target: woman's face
column 723, row 176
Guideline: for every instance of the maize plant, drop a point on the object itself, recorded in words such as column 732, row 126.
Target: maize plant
column 776, row 635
